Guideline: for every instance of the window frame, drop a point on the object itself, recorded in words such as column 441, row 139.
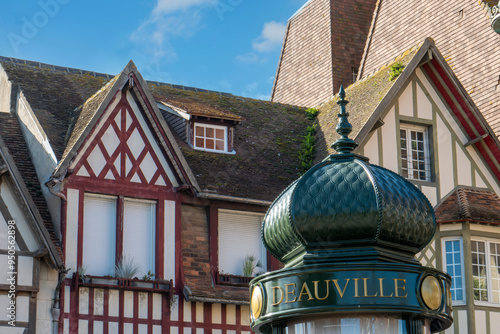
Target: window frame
column 215, row 127
column 489, row 287
column 462, row 267
column 119, row 228
column 426, row 148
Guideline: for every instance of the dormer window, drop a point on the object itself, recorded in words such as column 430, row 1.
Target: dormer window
column 210, row 137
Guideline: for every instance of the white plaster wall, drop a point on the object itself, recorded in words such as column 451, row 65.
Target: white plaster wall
column 406, row 101
column 5, row 91
column 494, row 320
column 71, row 230
column 461, row 322
column 480, row 319
column 424, row 106
column 445, row 157
column 22, row 227
column 485, row 170
column 25, row 270
column 152, row 140
column 389, row 140
column 169, row 237
column 464, row 168
column 48, row 283
column 41, row 154
column 371, row 150
column 431, row 194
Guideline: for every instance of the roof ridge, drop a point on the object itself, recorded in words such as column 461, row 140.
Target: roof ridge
column 71, row 70
column 463, row 202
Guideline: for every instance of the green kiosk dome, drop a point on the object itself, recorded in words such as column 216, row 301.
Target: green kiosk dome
column 347, row 232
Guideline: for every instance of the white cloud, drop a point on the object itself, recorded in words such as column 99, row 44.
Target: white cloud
column 170, row 18
column 247, row 58
column 170, row 6
column 271, row 37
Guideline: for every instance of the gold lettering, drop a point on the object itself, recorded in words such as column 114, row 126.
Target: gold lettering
column 274, row 288
column 290, row 293
column 307, row 292
column 341, row 293
column 365, row 283
column 397, row 287
column 316, row 290
column 381, row 280
column 356, row 290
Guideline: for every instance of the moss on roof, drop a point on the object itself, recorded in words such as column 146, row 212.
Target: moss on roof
column 197, row 108
column 364, row 96
column 266, row 144
column 54, row 97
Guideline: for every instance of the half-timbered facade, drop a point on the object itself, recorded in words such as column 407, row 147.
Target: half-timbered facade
column 148, row 188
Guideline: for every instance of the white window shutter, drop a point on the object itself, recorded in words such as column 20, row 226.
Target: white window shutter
column 138, row 234
column 239, row 236
column 99, row 235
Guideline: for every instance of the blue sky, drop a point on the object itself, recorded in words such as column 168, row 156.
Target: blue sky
column 226, row 45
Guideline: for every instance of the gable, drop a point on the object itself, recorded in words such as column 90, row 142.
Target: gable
column 453, row 160
column 121, row 148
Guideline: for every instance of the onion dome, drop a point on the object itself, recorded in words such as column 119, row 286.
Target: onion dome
column 346, row 209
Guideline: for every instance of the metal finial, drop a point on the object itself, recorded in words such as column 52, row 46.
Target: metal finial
column 343, row 145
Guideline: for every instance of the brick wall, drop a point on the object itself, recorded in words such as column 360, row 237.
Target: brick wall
column 324, row 42
column 461, row 30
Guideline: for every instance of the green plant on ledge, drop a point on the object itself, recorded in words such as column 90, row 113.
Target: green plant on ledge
column 126, row 268
column 396, row 70
column 311, row 113
column 250, row 266
column 306, row 152
column 149, row 276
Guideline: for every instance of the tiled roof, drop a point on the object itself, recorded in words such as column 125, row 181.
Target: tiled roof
column 10, row 132
column 476, row 205
column 198, row 108
column 461, row 30
column 266, row 143
column 364, row 96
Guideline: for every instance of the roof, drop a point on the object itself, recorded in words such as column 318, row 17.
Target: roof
column 198, row 108
column 23, row 171
column 364, row 97
column 266, row 143
column 467, row 204
column 460, row 29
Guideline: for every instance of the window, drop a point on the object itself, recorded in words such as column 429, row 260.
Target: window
column 486, row 270
column 103, row 225
column 415, row 157
column 210, row 137
column 453, row 264
column 240, row 237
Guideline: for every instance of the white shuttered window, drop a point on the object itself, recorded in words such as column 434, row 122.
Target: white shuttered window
column 239, row 237
column 99, row 235
column 138, row 234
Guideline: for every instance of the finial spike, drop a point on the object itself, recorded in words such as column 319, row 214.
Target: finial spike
column 343, row 145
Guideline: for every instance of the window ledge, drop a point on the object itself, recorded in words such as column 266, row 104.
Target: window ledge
column 233, row 280
column 486, row 304
column 161, row 286
column 423, row 183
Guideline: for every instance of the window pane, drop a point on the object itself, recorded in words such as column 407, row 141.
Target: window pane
column 138, row 234
column 417, row 167
column 454, row 268
column 239, row 237
column 219, row 145
column 200, row 131
column 495, row 271
column 219, row 134
column 210, row 144
column 99, row 235
column 200, row 142
column 479, row 271
column 210, row 133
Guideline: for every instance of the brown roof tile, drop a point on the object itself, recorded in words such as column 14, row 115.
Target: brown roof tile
column 476, row 205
